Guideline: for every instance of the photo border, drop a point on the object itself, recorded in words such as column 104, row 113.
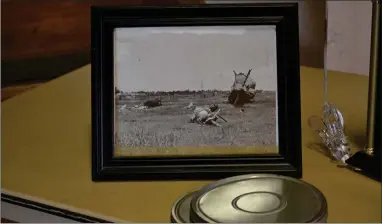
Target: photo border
column 287, row 162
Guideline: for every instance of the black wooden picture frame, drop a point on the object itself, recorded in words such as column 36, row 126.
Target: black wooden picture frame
column 106, row 167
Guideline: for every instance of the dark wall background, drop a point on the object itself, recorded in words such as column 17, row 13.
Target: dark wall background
column 43, row 39
column 312, row 32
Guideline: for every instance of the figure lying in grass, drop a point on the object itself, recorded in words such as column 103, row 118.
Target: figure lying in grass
column 206, row 115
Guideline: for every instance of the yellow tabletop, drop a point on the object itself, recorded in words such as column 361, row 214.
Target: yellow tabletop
column 46, row 153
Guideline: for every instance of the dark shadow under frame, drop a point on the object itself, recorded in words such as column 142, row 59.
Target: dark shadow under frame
column 288, row 162
column 48, row 209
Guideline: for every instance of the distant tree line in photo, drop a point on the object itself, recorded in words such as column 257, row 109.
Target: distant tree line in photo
column 176, row 92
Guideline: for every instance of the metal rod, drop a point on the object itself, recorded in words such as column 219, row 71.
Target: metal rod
column 326, row 55
column 373, row 76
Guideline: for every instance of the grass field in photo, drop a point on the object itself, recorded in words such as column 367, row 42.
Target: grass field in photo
column 165, row 130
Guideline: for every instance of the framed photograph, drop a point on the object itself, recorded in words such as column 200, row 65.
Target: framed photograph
column 195, row 92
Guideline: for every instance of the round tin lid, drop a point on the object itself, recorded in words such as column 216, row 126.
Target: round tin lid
column 180, row 212
column 261, row 198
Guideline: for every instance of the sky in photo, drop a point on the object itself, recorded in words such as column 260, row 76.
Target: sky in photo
column 194, row 58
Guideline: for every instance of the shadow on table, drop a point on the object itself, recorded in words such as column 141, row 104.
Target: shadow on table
column 24, row 71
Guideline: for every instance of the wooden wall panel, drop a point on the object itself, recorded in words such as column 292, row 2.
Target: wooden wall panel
column 43, row 39
column 41, row 28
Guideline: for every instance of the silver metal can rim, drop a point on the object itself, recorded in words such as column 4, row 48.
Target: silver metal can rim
column 197, row 216
column 175, row 217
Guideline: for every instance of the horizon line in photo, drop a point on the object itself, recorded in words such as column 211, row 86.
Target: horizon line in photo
column 185, row 91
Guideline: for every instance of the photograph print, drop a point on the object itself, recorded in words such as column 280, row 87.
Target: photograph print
column 195, row 90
